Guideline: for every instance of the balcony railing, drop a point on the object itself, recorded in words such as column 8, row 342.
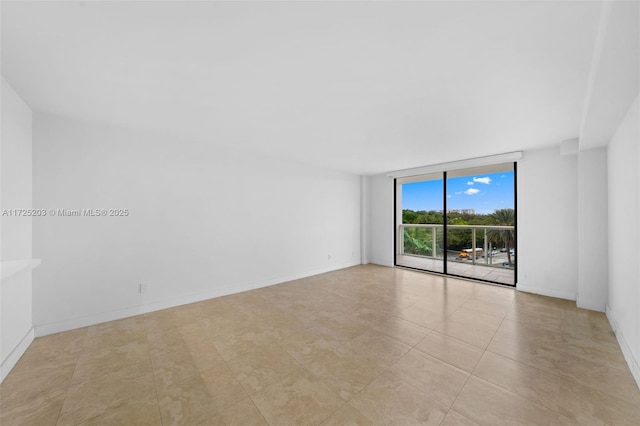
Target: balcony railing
column 479, row 242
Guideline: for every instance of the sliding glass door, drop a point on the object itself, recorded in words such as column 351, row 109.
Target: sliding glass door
column 459, row 222
column 421, row 229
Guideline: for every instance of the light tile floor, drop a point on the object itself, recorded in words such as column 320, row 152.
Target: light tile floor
column 364, row 345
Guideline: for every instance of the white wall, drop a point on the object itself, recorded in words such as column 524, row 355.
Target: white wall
column 623, row 309
column 381, row 220
column 365, row 208
column 203, row 222
column 593, row 247
column 548, row 223
column 16, row 331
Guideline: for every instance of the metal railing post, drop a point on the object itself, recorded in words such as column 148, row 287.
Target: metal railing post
column 486, row 255
column 473, row 245
column 434, row 244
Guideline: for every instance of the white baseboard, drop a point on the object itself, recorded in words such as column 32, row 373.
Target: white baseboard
column 14, row 356
column 145, row 308
column 545, row 291
column 634, row 366
column 298, row 275
column 100, row 317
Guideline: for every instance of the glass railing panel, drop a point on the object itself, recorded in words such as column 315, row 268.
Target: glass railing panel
column 472, row 251
column 421, row 247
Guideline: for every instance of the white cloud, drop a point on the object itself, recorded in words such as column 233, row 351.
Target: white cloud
column 486, row 180
column 471, row 191
column 458, row 193
column 469, row 183
column 448, row 195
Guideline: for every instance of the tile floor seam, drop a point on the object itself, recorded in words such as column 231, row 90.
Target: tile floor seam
column 494, row 335
column 469, row 373
column 560, row 377
column 560, row 348
column 66, row 391
column 415, row 323
column 503, row 389
column 461, row 415
column 323, row 380
column 419, row 390
column 333, row 412
column 342, row 344
column 558, row 374
column 114, row 408
column 238, row 403
column 259, row 411
column 460, row 391
column 531, row 400
column 155, row 385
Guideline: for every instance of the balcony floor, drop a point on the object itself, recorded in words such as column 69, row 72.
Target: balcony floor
column 497, row 274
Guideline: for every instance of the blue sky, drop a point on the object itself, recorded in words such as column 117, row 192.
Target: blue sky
column 484, row 193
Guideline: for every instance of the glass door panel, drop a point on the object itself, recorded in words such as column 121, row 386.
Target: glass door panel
column 420, row 219
column 469, row 232
column 481, row 223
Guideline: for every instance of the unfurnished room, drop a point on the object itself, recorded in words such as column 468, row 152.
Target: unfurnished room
column 320, row 213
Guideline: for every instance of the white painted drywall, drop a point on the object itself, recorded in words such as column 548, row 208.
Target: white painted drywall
column 203, row 221
column 381, row 220
column 548, row 223
column 593, row 246
column 365, row 208
column 15, row 237
column 623, row 308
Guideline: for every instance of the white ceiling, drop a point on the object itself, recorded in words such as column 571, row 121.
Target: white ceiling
column 364, row 87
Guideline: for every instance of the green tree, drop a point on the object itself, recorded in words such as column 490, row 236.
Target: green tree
column 503, row 217
column 409, row 216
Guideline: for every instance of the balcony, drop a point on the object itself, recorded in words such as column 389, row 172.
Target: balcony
column 473, row 251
